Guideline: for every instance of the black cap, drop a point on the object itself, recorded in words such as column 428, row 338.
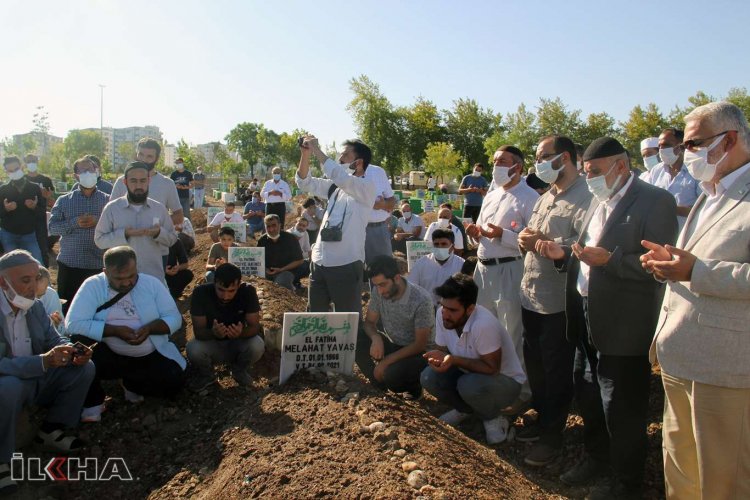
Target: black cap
column 603, row 147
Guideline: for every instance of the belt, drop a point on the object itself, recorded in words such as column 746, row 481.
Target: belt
column 498, row 260
column 376, row 224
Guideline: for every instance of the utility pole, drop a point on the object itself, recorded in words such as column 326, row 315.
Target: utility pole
column 101, row 110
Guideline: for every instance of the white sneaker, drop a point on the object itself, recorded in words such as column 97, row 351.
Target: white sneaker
column 92, row 414
column 454, row 417
column 496, row 429
column 132, row 397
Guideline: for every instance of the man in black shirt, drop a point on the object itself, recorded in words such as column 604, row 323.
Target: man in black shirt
column 283, row 253
column 226, row 323
column 22, row 210
column 48, row 189
column 176, row 273
column 183, row 181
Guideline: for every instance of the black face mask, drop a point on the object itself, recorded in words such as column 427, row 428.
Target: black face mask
column 137, row 198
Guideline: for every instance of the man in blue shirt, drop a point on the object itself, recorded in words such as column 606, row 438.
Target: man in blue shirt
column 101, row 185
column 74, row 218
column 253, row 213
column 473, row 187
column 131, row 315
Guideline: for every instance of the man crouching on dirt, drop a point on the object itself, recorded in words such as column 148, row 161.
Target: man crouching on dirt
column 475, row 368
column 36, row 365
column 226, row 323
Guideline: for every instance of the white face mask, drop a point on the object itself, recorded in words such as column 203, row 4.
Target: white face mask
column 500, row 175
column 697, row 162
column 667, row 156
column 16, row 176
column 274, row 238
column 651, row 161
column 598, row 185
column 443, row 223
column 180, row 167
column 277, row 177
column 441, row 253
column 31, row 167
column 545, row 171
column 476, row 173
column 87, row 179
column 19, row 301
column 407, row 215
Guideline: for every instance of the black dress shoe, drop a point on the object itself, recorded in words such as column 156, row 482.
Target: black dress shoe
column 584, row 471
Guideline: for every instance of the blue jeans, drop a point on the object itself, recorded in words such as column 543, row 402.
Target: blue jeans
column 485, row 395
column 26, row 242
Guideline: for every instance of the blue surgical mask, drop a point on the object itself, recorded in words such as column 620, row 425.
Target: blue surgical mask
column 277, row 177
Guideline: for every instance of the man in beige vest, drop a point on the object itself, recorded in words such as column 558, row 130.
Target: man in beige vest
column 702, row 339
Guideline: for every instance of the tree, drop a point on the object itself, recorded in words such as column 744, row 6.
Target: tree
column 442, row 160
column 41, row 128
column 25, row 145
column 738, row 96
column 126, row 150
column 423, row 126
column 255, row 143
column 553, row 117
column 676, row 117
column 54, row 163
column 378, row 124
column 642, row 123
column 518, row 129
column 596, row 125
column 83, row 142
column 468, row 126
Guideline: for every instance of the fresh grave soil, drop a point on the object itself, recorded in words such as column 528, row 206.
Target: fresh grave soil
column 308, row 438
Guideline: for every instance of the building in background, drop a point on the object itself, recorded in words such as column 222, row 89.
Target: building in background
column 42, row 142
column 124, row 141
column 169, row 152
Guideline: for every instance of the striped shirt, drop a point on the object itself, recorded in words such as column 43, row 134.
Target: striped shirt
column 77, row 248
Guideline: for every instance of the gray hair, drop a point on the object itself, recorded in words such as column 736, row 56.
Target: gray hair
column 44, row 273
column 119, row 257
column 721, row 116
column 16, row 258
column 270, row 218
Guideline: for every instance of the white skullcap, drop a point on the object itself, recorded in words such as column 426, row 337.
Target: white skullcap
column 16, row 258
column 651, row 142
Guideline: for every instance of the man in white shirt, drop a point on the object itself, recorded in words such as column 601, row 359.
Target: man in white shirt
column 410, row 227
column 475, row 368
column 339, row 251
column 161, row 188
column 444, row 222
column 378, row 240
column 650, row 155
column 701, row 341
column 275, row 194
column 506, row 211
column 228, row 215
column 431, row 271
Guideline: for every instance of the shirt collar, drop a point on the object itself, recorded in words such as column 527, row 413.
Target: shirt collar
column 128, row 204
column 621, row 193
column 724, row 183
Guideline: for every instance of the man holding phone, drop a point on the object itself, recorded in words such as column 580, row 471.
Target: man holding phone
column 36, row 364
column 226, row 321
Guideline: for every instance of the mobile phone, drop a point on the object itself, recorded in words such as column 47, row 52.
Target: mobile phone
column 80, row 349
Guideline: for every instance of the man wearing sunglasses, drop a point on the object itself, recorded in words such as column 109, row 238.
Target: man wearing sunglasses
column 702, row 339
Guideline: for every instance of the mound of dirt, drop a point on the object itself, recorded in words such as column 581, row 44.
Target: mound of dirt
column 306, row 438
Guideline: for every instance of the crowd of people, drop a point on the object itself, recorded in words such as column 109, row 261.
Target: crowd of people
column 561, row 287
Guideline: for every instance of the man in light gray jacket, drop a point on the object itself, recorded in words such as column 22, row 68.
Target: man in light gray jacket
column 702, row 339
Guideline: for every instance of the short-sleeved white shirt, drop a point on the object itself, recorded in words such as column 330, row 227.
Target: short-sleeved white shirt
column 482, row 334
column 414, row 222
column 383, row 190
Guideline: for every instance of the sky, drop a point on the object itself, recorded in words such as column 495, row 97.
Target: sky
column 198, row 68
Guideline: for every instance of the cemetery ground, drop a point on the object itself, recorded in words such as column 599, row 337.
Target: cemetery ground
column 315, row 436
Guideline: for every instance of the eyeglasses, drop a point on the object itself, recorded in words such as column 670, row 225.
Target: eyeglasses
column 699, row 143
column 545, row 156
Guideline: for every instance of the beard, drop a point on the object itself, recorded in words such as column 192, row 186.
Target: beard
column 138, row 198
